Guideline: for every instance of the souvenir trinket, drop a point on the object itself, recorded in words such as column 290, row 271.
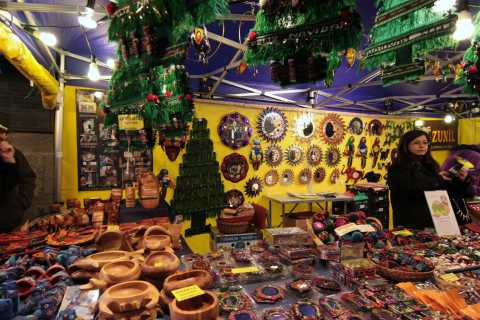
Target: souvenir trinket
column 256, row 155
column 273, row 268
column 319, row 175
column 234, row 130
column 332, row 129
column 305, row 176
column 326, row 285
column 355, row 126
column 375, row 127
column 334, row 176
column 268, row 294
column 352, row 174
column 383, row 314
column 362, row 151
column 242, row 315
column 350, row 150
column 253, row 187
column 148, row 190
column 358, row 301
column 332, row 306
column 333, row 156
column 400, row 308
column 375, row 152
column 304, row 126
column 272, row 125
column 287, row 177
column 234, row 301
column 241, row 256
column 314, row 155
column 235, row 198
column 271, row 178
column 306, row 310
column 294, row 155
column 277, row 314
column 234, row 167
column 274, row 155
column 301, row 270
column 300, row 285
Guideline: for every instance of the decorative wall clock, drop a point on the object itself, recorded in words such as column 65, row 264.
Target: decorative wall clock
column 274, row 155
column 294, row 155
column 287, row 177
column 356, row 126
column 375, row 127
column 332, row 129
column 305, row 176
column 235, row 198
column 319, row 175
column 234, row 167
column 272, row 124
column 271, row 178
column 314, row 155
column 304, row 126
column 333, row 156
column 234, row 130
column 253, row 187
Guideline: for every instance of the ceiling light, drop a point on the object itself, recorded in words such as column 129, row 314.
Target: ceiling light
column 48, row 38
column 111, row 63
column 98, row 94
column 419, row 123
column 86, row 20
column 93, row 72
column 442, row 6
column 464, row 28
column 449, row 118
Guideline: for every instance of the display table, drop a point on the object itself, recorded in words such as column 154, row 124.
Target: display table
column 139, row 213
column 286, row 199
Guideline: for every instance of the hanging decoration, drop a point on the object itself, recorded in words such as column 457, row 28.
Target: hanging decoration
column 319, row 175
column 362, row 151
column 234, row 130
column 234, row 167
column 352, row 174
column 350, row 56
column 274, row 155
column 350, row 150
column 305, row 176
column 404, row 32
column 287, row 177
column 272, row 125
column 333, row 156
column 235, row 198
column 304, row 127
column 332, row 129
column 199, row 40
column 334, row 176
column 256, row 155
column 375, row 127
column 253, row 187
column 294, row 155
column 355, row 126
column 375, row 151
column 271, row 178
column 300, row 38
column 314, row 155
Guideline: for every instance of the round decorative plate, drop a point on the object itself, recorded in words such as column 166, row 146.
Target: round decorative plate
column 332, row 129
column 304, row 126
column 314, row 155
column 294, row 155
column 271, row 178
column 305, row 176
column 253, row 187
column 333, row 156
column 319, row 175
column 375, row 127
column 272, row 124
column 287, row 177
column 234, row 130
column 234, row 167
column 235, row 198
column 306, row 310
column 356, row 126
column 274, row 155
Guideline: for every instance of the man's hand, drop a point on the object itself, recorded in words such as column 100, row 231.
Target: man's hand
column 7, row 152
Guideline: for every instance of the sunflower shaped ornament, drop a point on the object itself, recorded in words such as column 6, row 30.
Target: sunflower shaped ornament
column 272, row 125
column 234, row 130
column 304, row 127
column 294, row 155
column 319, row 175
column 274, row 155
column 286, row 177
column 314, row 155
column 305, row 176
column 332, row 129
column 253, row 187
column 333, row 156
column 271, row 178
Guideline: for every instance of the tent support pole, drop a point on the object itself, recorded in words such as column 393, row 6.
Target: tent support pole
column 59, row 131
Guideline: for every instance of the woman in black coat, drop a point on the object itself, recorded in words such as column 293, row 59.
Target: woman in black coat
column 413, row 172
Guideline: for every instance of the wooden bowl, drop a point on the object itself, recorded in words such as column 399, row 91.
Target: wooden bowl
column 109, row 241
column 204, row 307
column 128, row 296
column 157, row 238
column 144, row 314
column 121, row 271
column 96, row 261
column 159, row 263
column 187, row 278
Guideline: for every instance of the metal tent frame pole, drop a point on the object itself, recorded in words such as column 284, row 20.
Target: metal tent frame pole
column 59, row 131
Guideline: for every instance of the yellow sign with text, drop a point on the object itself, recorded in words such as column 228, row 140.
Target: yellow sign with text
column 187, row 292
column 245, row 269
column 130, row 122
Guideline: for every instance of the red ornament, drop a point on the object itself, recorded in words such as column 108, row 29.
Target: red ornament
column 167, row 94
column 179, row 98
column 473, row 69
column 111, row 8
column 152, row 98
column 188, row 96
column 252, row 35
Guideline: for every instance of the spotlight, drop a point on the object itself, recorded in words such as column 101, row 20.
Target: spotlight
column 111, row 63
column 442, row 6
column 419, row 123
column 449, row 118
column 48, row 38
column 93, row 72
column 464, row 28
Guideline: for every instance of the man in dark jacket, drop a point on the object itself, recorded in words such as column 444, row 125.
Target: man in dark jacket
column 17, row 184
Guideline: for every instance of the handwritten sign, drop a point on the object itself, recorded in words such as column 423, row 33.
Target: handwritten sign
column 187, row 292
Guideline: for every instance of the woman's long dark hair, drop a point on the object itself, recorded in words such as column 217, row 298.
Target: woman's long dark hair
column 406, row 158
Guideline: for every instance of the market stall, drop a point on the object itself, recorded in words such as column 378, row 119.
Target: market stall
column 260, row 187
